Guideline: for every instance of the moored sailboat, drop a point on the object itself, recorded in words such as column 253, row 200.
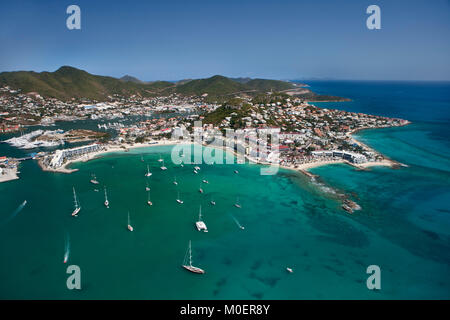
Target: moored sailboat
column 187, row 262
column 178, row 198
column 237, row 205
column 106, row 199
column 94, row 180
column 148, row 174
column 201, row 226
column 129, row 227
column 77, row 207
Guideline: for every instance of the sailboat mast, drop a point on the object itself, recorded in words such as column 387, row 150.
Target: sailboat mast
column 190, row 254
column 75, row 198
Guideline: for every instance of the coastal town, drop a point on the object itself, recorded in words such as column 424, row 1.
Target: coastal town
column 306, row 135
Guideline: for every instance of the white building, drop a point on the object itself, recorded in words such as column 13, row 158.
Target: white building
column 61, row 155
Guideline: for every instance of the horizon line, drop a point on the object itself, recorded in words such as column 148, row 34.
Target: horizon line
column 243, row 77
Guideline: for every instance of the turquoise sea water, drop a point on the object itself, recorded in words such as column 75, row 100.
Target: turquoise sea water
column 404, row 226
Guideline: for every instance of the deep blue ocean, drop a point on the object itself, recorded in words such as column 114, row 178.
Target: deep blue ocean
column 403, row 227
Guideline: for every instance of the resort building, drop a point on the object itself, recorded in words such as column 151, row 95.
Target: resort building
column 61, row 155
column 346, row 155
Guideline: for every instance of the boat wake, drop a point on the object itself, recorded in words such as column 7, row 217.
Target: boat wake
column 237, row 223
column 15, row 213
column 67, row 248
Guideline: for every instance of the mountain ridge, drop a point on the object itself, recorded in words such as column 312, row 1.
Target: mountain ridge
column 69, row 82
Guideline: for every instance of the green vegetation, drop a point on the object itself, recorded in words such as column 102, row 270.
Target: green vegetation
column 67, row 82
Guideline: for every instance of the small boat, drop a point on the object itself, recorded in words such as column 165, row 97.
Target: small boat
column 129, row 227
column 178, row 199
column 148, row 200
column 94, row 180
column 237, row 205
column 195, row 171
column 197, row 168
column 160, row 159
column 147, row 188
column 163, row 167
column 235, row 171
column 96, row 190
column 148, row 174
column 289, row 270
column 77, row 207
column 201, row 226
column 205, row 181
column 187, row 262
column 212, row 202
column 237, row 223
column 106, row 200
column 175, row 181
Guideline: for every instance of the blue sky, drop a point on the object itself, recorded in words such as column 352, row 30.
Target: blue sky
column 170, row 40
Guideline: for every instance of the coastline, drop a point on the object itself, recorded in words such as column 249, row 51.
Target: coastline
column 302, row 168
column 107, row 149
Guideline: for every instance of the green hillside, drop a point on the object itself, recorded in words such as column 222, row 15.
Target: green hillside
column 68, row 82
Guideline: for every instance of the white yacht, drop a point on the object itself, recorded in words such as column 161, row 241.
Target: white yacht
column 77, row 207
column 94, row 180
column 148, row 174
column 237, row 205
column 106, row 200
column 187, row 262
column 201, row 226
column 129, row 227
column 178, row 199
